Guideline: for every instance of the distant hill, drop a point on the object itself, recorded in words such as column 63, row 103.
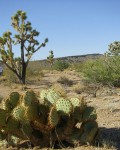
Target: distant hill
column 69, row 59
column 77, row 58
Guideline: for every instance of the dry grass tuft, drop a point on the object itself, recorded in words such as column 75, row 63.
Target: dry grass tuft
column 65, row 81
column 59, row 88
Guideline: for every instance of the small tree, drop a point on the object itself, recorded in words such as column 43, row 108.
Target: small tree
column 114, row 49
column 50, row 58
column 25, row 38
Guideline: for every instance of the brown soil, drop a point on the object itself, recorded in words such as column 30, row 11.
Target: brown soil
column 105, row 100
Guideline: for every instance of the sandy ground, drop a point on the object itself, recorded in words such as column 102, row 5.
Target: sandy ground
column 106, row 102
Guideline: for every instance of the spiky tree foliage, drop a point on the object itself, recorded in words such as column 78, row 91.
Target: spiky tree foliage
column 50, row 58
column 26, row 39
column 114, row 49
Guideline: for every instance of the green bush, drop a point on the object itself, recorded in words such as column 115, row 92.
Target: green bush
column 104, row 70
column 34, row 72
column 10, row 76
column 60, row 65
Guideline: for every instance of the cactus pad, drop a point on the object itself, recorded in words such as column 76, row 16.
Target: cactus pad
column 77, row 115
column 90, row 130
column 6, row 105
column 43, row 94
column 53, row 117
column 2, row 117
column 14, row 98
column 31, row 112
column 29, row 98
column 26, row 129
column 89, row 114
column 75, row 102
column 64, row 106
column 43, row 111
column 19, row 113
column 74, row 138
column 52, row 96
column 12, row 124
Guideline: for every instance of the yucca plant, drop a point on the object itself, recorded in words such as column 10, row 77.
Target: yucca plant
column 25, row 38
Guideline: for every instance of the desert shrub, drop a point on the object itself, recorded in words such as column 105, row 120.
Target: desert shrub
column 60, row 65
column 77, row 66
column 79, row 88
column 10, row 76
column 1, row 98
column 104, row 70
column 64, row 80
column 34, row 72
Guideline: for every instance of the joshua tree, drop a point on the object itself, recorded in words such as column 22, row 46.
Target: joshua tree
column 114, row 49
column 50, row 58
column 25, row 38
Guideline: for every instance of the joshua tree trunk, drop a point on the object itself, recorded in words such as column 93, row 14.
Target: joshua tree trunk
column 23, row 78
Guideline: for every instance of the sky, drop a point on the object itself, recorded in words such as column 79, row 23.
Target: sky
column 73, row 27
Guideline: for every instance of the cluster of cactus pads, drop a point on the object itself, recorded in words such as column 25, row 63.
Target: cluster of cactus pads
column 48, row 118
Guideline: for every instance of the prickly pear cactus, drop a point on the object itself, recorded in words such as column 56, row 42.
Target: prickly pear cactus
column 31, row 112
column 29, row 98
column 28, row 118
column 26, row 129
column 52, row 96
column 64, row 106
column 74, row 138
column 12, row 125
column 2, row 117
column 77, row 115
column 14, row 98
column 6, row 105
column 78, row 106
column 19, row 113
column 43, row 94
column 53, row 117
column 90, row 129
column 89, row 114
column 76, row 102
column 11, row 101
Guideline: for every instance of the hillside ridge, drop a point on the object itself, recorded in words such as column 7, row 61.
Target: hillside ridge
column 69, row 59
column 73, row 59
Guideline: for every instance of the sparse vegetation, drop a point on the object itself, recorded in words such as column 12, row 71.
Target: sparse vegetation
column 60, row 65
column 32, row 72
column 79, row 88
column 104, row 70
column 64, row 80
column 10, row 77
